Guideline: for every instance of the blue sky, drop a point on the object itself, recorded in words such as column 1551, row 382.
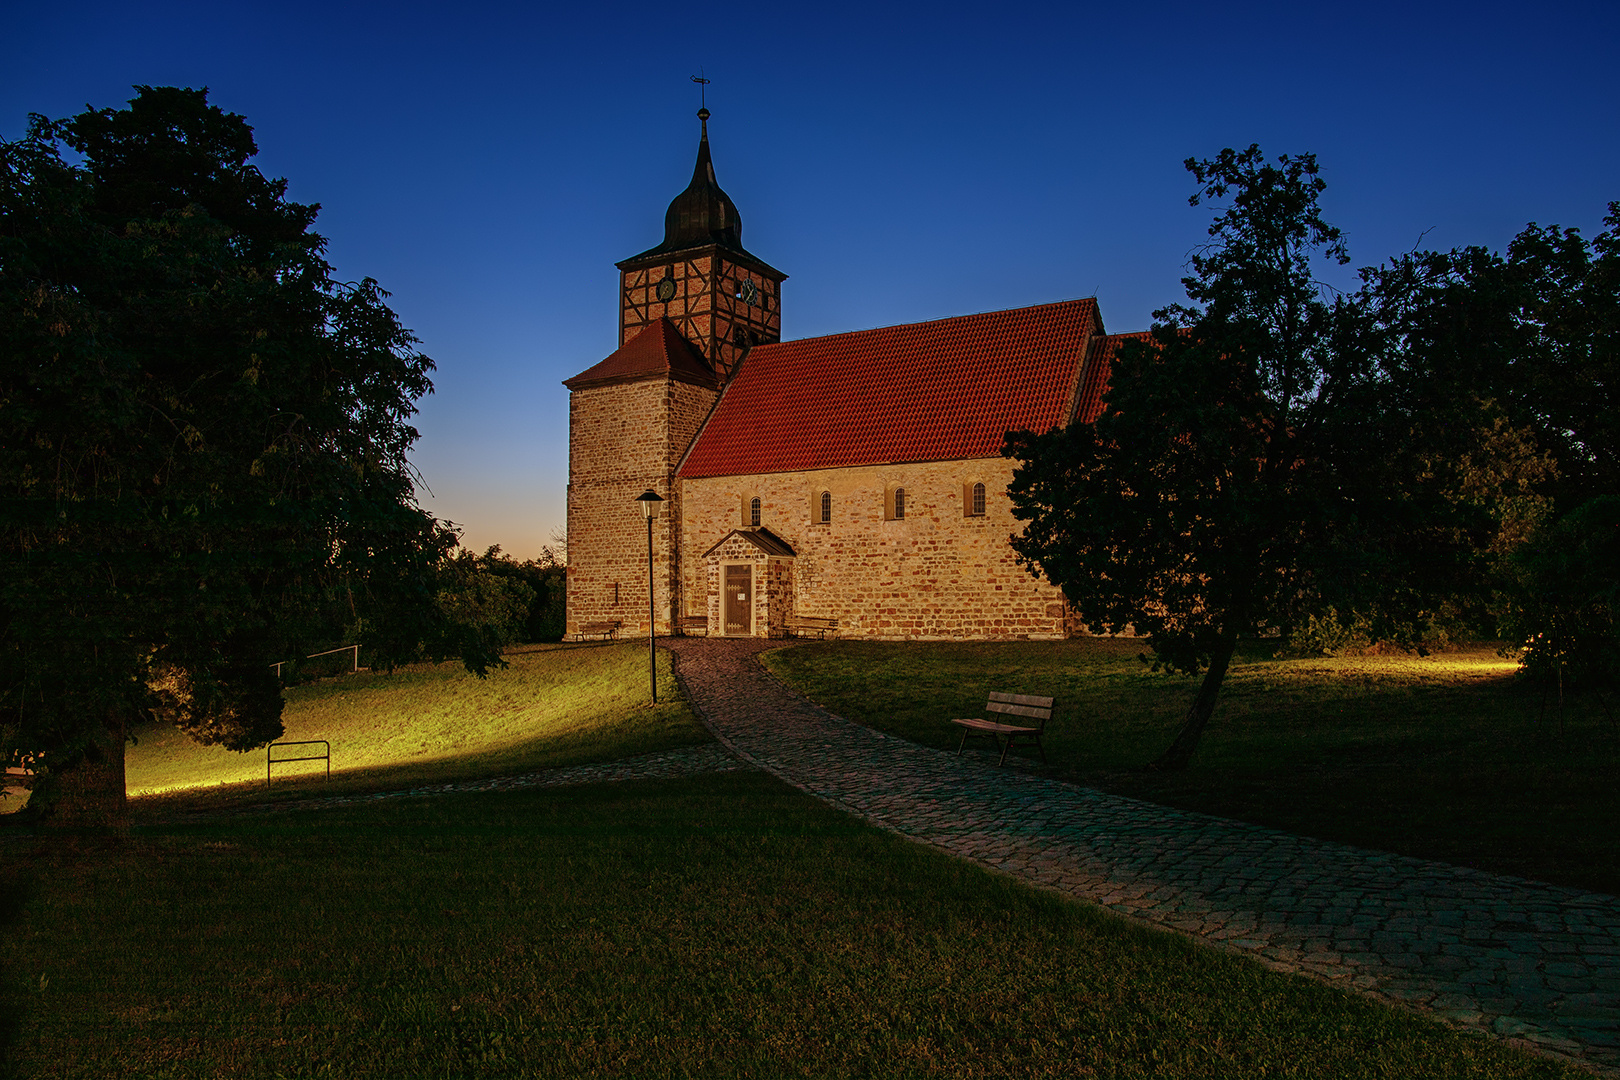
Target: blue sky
column 490, row 163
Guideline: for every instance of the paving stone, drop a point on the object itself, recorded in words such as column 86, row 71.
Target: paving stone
column 1566, row 970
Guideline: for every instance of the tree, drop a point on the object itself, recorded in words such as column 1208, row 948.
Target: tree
column 485, row 607
column 203, row 441
column 1249, row 470
column 545, row 578
column 1563, row 599
column 1537, row 333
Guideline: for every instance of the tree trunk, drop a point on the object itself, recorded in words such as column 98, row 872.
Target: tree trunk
column 1203, row 707
column 90, row 794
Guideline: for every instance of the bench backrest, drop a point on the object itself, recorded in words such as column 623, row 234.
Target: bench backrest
column 1023, row 706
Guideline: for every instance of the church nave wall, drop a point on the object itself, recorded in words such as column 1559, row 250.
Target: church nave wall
column 935, row 573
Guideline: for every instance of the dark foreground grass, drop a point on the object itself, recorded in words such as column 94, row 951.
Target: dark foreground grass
column 1445, row 757
column 714, row 927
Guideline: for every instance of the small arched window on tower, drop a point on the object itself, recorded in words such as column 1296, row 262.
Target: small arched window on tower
column 753, row 512
column 899, row 503
column 825, row 508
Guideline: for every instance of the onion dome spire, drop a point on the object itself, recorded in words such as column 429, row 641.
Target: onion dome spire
column 702, row 214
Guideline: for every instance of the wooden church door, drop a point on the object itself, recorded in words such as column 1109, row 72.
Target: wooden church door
column 738, row 601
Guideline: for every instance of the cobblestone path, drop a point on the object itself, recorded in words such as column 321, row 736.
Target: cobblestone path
column 1530, row 962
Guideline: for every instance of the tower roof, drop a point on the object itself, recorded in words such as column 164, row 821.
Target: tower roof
column 658, row 350
column 703, row 214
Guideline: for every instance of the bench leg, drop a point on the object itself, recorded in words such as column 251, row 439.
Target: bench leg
column 1009, row 743
column 965, row 733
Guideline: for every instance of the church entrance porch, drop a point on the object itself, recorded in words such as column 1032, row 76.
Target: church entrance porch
column 750, row 592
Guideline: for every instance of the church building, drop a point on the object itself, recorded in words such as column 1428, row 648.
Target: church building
column 856, row 477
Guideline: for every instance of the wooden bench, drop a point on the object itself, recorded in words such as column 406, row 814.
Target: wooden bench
column 693, row 625
column 605, row 629
column 19, row 772
column 1024, row 706
column 805, row 625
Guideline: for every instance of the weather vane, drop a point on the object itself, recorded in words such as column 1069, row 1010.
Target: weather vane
column 703, row 93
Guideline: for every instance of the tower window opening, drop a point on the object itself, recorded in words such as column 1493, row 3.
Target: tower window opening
column 899, row 503
column 753, row 512
column 826, row 506
column 978, row 500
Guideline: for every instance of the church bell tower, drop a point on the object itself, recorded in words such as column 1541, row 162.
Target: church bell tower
column 689, row 311
column 723, row 299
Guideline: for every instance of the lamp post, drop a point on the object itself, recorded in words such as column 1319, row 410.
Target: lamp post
column 649, row 501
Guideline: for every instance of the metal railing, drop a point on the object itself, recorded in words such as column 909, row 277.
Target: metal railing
column 271, row 759
column 355, row 666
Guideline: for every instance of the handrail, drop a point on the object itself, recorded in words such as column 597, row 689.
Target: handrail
column 355, row 666
column 270, row 758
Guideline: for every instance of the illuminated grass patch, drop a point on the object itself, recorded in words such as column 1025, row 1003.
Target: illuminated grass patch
column 555, row 705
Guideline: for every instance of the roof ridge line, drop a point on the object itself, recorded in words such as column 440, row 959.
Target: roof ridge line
column 927, row 322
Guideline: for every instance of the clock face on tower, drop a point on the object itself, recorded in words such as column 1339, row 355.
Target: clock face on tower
column 749, row 294
column 666, row 290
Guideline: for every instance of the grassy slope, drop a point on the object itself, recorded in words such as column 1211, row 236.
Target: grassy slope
column 718, row 926
column 555, row 705
column 1441, row 757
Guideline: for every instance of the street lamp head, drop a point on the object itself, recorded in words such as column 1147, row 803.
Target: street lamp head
column 649, row 501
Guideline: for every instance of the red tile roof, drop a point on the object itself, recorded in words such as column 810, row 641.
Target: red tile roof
column 658, row 350
column 1094, row 383
column 933, row 391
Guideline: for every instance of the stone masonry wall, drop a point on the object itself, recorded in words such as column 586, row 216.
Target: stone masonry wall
column 935, row 573
column 778, row 595
column 623, row 439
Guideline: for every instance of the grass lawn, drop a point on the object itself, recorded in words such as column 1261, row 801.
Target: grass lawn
column 1441, row 757
column 431, row 723
column 717, row 926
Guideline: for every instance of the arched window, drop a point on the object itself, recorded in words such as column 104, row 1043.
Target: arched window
column 753, row 512
column 899, row 502
column 978, row 500
column 826, row 506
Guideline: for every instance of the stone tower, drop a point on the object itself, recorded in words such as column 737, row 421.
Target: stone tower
column 689, row 310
